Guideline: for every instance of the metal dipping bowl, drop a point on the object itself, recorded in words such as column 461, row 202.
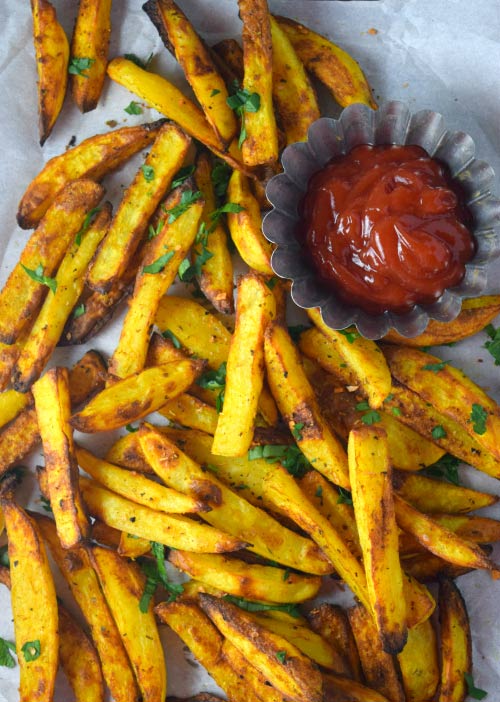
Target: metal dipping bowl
column 393, row 123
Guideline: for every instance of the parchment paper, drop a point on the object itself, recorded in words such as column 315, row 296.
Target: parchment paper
column 438, row 55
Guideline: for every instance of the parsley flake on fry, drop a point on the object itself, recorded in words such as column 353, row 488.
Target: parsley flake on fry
column 6, row 658
column 478, row 417
column 78, row 65
column 38, row 276
column 31, row 650
column 188, row 197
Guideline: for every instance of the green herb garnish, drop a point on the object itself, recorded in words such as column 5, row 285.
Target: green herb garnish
column 77, row 66
column 38, row 276
column 249, row 606
column 6, row 659
column 158, row 265
column 478, row 417
column 31, row 650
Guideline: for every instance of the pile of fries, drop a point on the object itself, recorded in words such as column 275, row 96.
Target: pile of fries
column 292, row 458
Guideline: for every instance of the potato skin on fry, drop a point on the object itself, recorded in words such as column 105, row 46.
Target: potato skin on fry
column 456, row 644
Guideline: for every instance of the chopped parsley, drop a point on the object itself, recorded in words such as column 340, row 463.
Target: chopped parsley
column 319, row 492
column 241, row 102
column 45, row 503
column 438, row 432
column 271, row 283
column 4, row 556
column 472, row 691
column 38, row 276
column 435, row 367
column 232, row 207
column 77, row 66
column 371, row 416
column 133, row 108
column 160, row 263
column 187, row 270
column 86, row 224
column 79, row 310
column 221, row 172
column 296, row 431
column 182, row 175
column 446, row 467
column 214, row 92
column 156, row 573
column 493, row 346
column 296, row 330
column 215, row 380
column 152, row 232
column 6, row 659
column 478, row 417
column 345, row 497
column 249, row 606
column 31, row 650
column 351, row 336
column 167, row 334
column 131, row 429
column 396, row 411
column 281, row 656
column 138, row 61
column 188, row 198
column 148, row 172
column 290, row 457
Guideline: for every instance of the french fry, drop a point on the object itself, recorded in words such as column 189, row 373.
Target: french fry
column 330, row 64
column 228, row 56
column 320, row 348
column 80, row 576
column 250, row 581
column 136, row 487
column 419, row 665
column 364, row 358
column 427, row 568
column 138, row 205
column 435, row 496
column 190, row 412
column 190, row 51
column 260, row 143
column 370, row 475
column 293, row 93
column 480, row 530
column 35, row 626
column 255, row 309
column 201, row 697
column 127, row 452
column 456, row 646
column 136, row 396
column 339, row 689
column 277, row 659
column 49, row 324
column 332, row 623
column 132, row 546
column 53, row 408
column 94, row 158
column 51, row 55
column 44, row 250
column 90, row 40
column 12, row 403
column 174, row 531
column 103, row 534
column 296, row 400
column 245, row 226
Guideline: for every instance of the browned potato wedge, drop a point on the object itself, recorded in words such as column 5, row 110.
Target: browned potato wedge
column 430, row 496
column 456, row 646
column 419, row 664
column 427, row 568
column 228, row 56
column 191, row 412
column 340, row 689
column 42, row 255
column 103, row 534
column 132, row 546
column 332, row 622
column 51, row 54
column 12, row 403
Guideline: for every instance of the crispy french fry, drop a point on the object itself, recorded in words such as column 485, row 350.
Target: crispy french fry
column 480, row 530
column 138, row 205
column 320, row 348
column 456, row 647
column 228, row 56
column 370, row 475
column 429, row 495
column 245, row 226
column 293, row 93
column 427, row 568
column 419, row 663
column 123, row 586
column 136, row 487
column 53, row 408
column 45, row 249
column 332, row 622
column 90, row 40
column 281, row 662
column 51, row 54
column 329, row 63
column 56, row 308
column 136, row 396
column 190, row 412
column 127, row 452
column 35, row 626
column 103, row 534
column 132, row 546
column 295, row 397
column 171, row 530
column 190, row 51
column 250, row 581
column 340, row 689
column 12, row 403
column 255, row 309
column 364, row 358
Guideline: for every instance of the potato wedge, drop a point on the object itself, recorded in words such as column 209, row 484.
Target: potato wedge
column 80, row 576
column 250, row 581
column 190, row 412
column 136, row 396
column 427, row 568
column 123, row 586
column 42, row 255
column 480, row 530
column 12, row 403
column 320, row 348
column 132, row 546
column 180, row 37
column 228, row 57
column 339, row 689
column 49, row 324
column 245, row 226
column 103, row 534
column 94, row 158
column 419, row 665
column 90, row 41
column 136, row 487
column 435, row 496
column 174, row 531
column 332, row 623
column 333, row 66
column 51, row 55
column 293, row 93
column 370, row 475
column 37, row 639
column 456, row 646
column 277, row 659
column 138, row 205
column 255, row 309
column 53, row 408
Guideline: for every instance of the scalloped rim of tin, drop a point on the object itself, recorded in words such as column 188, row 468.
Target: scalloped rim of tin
column 392, row 123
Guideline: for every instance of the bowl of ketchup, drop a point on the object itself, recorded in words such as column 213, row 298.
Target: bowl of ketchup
column 384, row 220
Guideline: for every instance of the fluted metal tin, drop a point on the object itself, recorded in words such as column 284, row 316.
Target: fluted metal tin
column 393, row 123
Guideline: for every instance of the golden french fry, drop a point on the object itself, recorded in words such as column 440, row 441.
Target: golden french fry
column 228, row 56
column 419, row 663
column 332, row 623
column 132, row 546
column 339, row 689
column 456, row 646
column 51, row 54
column 103, row 534
column 427, row 568
column 320, row 348
column 190, row 412
column 255, row 309
column 90, row 41
column 435, row 496
column 12, row 403
column 480, row 530
column 42, row 255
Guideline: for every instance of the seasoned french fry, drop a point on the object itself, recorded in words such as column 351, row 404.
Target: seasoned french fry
column 132, row 546
column 419, row 663
column 171, row 530
column 250, row 581
column 320, row 348
column 427, row 568
column 190, row 51
column 43, row 253
column 103, row 534
column 370, row 475
column 480, row 530
column 435, row 496
column 127, row 452
column 255, row 309
column 245, row 226
column 228, row 56
column 292, row 91
column 276, row 658
column 136, row 487
column 191, row 412
column 332, row 622
column 90, row 41
column 35, row 626
column 136, row 396
column 456, row 646
column 329, row 63
column 56, row 308
column 340, row 689
column 12, row 403
column 51, row 54
column 53, row 407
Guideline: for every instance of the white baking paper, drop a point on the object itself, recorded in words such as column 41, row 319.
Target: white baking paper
column 439, row 55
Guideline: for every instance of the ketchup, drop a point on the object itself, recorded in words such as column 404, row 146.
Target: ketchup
column 384, row 227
